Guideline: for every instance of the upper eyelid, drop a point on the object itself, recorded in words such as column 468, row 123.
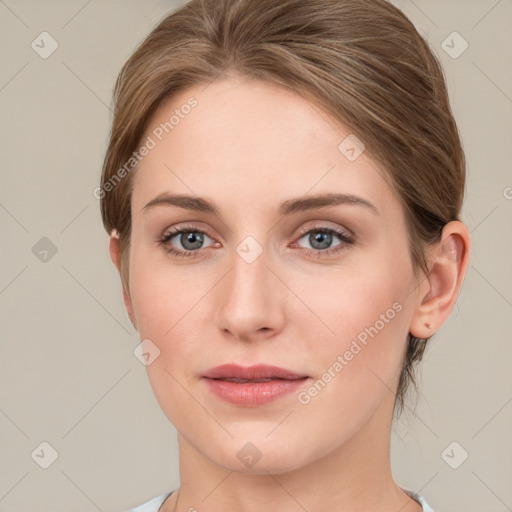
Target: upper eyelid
column 322, row 225
column 318, row 226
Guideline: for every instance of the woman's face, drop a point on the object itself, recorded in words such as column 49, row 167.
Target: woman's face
column 258, row 280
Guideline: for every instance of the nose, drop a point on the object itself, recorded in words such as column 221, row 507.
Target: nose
column 251, row 300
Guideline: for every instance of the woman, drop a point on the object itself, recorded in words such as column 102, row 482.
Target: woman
column 282, row 189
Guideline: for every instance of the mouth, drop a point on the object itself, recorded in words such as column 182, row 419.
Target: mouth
column 261, row 372
column 240, row 381
column 252, row 386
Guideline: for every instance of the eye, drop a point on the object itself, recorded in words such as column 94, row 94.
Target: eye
column 185, row 241
column 188, row 241
column 321, row 238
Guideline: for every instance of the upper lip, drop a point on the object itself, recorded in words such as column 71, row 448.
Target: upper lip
column 256, row 372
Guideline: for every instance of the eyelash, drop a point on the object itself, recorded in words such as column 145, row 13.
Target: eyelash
column 345, row 240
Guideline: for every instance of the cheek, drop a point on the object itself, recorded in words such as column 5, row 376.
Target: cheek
column 161, row 304
column 165, row 302
column 363, row 318
column 158, row 293
column 349, row 299
column 169, row 303
column 369, row 322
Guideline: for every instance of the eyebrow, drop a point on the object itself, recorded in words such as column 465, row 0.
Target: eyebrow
column 286, row 208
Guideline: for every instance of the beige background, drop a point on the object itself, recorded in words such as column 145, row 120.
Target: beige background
column 68, row 375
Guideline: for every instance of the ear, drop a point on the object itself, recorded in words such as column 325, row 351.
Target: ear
column 438, row 292
column 115, row 256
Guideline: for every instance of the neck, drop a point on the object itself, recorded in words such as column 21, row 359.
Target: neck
column 355, row 477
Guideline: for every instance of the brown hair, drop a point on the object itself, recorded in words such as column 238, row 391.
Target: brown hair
column 362, row 61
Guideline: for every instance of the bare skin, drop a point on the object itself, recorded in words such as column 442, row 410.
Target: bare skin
column 247, row 147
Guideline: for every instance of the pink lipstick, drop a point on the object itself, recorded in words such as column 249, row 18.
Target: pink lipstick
column 254, row 385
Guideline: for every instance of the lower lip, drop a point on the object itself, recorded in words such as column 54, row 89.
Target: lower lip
column 252, row 394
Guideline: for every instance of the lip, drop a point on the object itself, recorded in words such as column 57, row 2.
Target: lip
column 254, row 385
column 256, row 372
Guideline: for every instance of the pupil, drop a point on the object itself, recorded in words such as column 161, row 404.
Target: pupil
column 195, row 239
column 324, row 240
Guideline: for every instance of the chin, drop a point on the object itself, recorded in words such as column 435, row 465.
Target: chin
column 256, row 455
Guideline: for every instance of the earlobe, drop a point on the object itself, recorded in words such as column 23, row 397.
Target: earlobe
column 115, row 256
column 437, row 295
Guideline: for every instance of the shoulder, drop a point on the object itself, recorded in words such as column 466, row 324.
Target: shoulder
column 155, row 503
column 151, row 505
column 420, row 499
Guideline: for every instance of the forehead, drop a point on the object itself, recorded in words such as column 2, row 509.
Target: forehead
column 253, row 142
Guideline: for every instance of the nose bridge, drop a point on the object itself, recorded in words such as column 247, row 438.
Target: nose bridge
column 250, row 303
